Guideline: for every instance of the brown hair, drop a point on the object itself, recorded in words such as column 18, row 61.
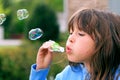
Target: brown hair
column 104, row 28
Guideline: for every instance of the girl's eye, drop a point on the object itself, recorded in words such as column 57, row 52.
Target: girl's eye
column 81, row 34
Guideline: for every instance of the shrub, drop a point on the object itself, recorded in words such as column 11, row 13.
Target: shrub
column 15, row 63
column 12, row 27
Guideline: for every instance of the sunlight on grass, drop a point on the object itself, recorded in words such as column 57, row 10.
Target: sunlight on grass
column 8, row 47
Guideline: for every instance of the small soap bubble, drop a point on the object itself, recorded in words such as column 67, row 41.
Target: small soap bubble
column 2, row 18
column 35, row 34
column 1, row 21
column 22, row 14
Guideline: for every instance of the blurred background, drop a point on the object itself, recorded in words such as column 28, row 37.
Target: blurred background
column 18, row 52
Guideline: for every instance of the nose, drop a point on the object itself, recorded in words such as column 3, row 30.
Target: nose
column 71, row 38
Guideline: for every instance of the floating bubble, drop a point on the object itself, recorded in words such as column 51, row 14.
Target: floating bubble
column 2, row 18
column 22, row 14
column 1, row 21
column 35, row 34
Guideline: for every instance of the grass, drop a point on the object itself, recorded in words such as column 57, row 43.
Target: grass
column 2, row 47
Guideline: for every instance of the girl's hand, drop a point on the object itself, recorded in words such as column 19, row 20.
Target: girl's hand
column 44, row 56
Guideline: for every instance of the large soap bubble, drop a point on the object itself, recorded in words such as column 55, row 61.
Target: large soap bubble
column 35, row 34
column 22, row 14
column 55, row 47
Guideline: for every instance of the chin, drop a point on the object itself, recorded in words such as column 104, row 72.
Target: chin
column 71, row 59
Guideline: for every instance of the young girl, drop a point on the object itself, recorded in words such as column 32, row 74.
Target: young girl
column 92, row 49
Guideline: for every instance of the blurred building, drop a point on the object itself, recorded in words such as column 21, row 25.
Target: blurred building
column 112, row 5
column 71, row 6
column 74, row 5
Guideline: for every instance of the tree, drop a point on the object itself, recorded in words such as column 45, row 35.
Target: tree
column 45, row 18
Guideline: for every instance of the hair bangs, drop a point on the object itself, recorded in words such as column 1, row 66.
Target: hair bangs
column 74, row 22
column 84, row 21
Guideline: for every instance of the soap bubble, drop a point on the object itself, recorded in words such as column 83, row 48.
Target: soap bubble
column 35, row 34
column 1, row 21
column 2, row 18
column 22, row 14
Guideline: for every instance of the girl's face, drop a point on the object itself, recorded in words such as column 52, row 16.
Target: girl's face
column 79, row 46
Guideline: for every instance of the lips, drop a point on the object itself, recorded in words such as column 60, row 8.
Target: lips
column 68, row 49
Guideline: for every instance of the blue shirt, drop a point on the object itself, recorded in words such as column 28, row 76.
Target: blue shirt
column 69, row 73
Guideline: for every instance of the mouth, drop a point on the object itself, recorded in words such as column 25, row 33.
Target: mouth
column 68, row 49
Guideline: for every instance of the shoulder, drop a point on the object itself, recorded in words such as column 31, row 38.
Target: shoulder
column 66, row 70
column 70, row 69
column 73, row 73
column 64, row 73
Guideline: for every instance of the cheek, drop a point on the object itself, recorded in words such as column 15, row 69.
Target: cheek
column 82, row 46
column 87, row 44
column 81, row 52
column 85, row 49
column 88, row 48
